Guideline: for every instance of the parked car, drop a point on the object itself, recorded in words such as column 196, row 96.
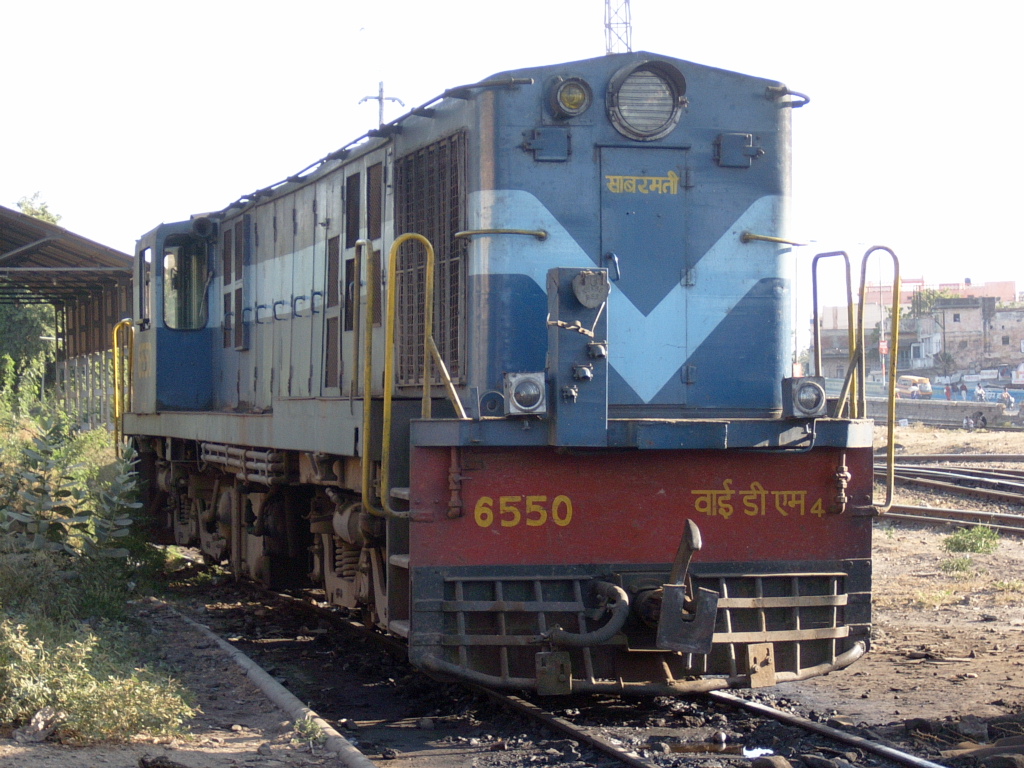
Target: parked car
column 907, row 385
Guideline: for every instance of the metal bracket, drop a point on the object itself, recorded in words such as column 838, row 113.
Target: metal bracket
column 761, row 663
column 554, row 673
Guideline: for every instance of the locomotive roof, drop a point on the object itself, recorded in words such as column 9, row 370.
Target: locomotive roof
column 375, row 136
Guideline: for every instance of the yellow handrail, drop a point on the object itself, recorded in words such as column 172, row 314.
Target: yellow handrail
column 122, row 377
column 890, row 476
column 854, row 375
column 540, row 234
column 385, row 509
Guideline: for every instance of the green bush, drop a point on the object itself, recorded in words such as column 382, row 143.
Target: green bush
column 75, row 677
column 980, row 540
column 55, row 499
column 69, row 564
column 958, row 566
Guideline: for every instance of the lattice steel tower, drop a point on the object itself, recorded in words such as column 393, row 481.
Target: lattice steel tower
column 618, row 29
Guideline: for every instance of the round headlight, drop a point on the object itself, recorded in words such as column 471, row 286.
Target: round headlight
column 527, row 394
column 646, row 100
column 570, row 97
column 810, row 397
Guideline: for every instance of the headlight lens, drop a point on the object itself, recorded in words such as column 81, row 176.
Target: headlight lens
column 527, row 394
column 646, row 100
column 810, row 397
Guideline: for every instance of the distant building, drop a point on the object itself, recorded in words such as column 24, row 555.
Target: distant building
column 965, row 331
column 1005, row 291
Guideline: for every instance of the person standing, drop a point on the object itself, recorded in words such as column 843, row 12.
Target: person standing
column 949, row 392
column 963, row 391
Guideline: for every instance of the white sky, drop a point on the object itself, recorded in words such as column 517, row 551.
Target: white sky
column 126, row 113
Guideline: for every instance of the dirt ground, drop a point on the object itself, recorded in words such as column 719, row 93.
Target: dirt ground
column 237, row 724
column 947, row 644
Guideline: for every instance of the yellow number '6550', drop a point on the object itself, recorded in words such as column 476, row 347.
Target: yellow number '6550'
column 533, row 511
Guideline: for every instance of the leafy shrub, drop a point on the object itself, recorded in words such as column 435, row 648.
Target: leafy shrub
column 75, row 678
column 69, row 563
column 308, row 731
column 50, row 503
column 957, row 565
column 980, row 540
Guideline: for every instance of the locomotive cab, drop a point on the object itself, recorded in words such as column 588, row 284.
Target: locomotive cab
column 173, row 362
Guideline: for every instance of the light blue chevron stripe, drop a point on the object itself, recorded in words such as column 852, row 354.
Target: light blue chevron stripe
column 645, row 351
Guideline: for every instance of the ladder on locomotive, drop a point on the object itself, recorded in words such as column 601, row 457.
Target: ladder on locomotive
column 397, row 561
column 852, row 401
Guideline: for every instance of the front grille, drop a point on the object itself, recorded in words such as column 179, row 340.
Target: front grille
column 492, row 625
column 803, row 614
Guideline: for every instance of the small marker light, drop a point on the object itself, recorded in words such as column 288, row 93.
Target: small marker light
column 570, row 97
column 804, row 397
column 525, row 394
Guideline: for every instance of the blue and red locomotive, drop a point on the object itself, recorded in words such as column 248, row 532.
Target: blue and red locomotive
column 508, row 377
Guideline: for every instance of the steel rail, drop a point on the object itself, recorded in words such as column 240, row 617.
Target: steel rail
column 532, row 711
column 595, row 741
column 998, row 521
column 788, row 718
column 561, row 724
column 966, row 457
column 982, row 472
column 998, row 480
column 964, row 490
column 989, row 480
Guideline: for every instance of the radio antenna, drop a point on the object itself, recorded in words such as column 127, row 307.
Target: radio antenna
column 618, row 29
column 380, row 98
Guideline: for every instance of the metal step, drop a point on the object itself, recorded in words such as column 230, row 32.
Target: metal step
column 399, row 561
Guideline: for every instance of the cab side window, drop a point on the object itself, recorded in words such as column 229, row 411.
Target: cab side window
column 185, row 282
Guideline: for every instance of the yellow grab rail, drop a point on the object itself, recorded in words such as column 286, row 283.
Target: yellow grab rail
column 894, row 345
column 854, row 375
column 385, row 509
column 429, row 352
column 123, row 337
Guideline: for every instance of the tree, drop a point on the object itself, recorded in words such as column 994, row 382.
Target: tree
column 924, row 300
column 26, row 328
column 37, row 209
column 947, row 361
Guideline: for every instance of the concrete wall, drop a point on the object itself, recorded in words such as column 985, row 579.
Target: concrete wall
column 947, row 412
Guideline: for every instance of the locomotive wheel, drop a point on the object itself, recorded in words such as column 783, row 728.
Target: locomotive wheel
column 285, row 544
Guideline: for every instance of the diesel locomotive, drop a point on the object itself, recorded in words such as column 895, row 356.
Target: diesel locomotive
column 510, row 378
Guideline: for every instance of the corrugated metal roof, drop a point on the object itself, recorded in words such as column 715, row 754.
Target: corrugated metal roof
column 41, row 262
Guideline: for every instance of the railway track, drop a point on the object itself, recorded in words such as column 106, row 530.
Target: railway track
column 999, row 521
column 998, row 485
column 715, row 746
column 639, row 734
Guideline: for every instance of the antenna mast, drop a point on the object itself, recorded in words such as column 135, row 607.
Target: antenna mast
column 618, row 29
column 380, row 98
